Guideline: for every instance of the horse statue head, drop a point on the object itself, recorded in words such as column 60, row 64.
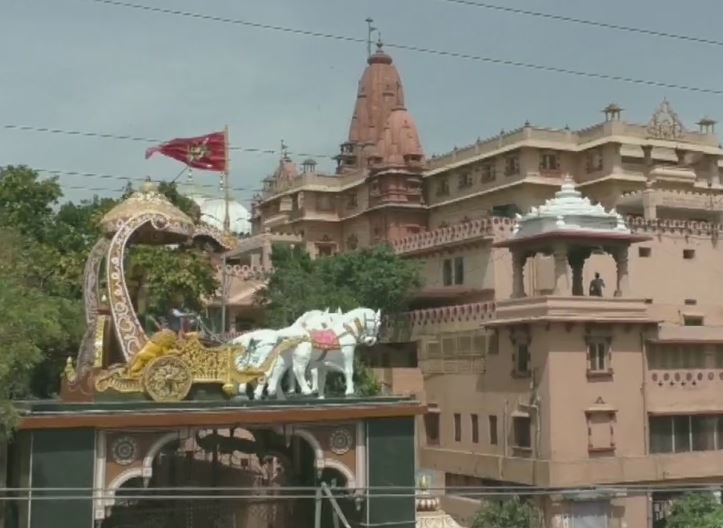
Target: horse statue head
column 367, row 323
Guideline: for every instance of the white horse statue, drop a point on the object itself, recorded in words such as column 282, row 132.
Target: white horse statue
column 332, row 346
column 260, row 344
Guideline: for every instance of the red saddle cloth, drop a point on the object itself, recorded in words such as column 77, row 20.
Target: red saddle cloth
column 324, row 339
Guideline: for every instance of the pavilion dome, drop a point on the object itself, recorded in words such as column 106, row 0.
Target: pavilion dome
column 213, row 211
column 569, row 210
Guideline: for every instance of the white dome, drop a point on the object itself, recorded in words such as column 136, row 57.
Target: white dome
column 213, row 211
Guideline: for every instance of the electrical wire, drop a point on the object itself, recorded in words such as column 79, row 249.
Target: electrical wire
column 130, row 178
column 413, row 48
column 105, row 135
column 587, row 22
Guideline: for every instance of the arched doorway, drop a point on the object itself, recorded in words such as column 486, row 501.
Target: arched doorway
column 221, row 478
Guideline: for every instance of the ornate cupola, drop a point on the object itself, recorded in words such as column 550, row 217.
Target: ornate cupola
column 570, row 228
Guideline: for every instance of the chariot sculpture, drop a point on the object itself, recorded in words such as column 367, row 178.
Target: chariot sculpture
column 118, row 358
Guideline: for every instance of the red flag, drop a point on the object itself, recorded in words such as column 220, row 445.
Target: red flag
column 204, row 152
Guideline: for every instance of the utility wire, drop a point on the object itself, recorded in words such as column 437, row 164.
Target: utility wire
column 593, row 23
column 417, row 49
column 131, row 178
column 103, row 135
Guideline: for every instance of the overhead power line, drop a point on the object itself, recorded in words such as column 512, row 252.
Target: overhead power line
column 417, row 49
column 130, row 178
column 586, row 22
column 104, row 135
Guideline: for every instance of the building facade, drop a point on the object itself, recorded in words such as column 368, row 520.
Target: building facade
column 529, row 379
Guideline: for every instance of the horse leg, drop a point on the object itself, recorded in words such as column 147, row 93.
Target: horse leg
column 275, row 377
column 348, row 356
column 314, row 379
column 291, row 378
column 321, row 379
column 301, row 358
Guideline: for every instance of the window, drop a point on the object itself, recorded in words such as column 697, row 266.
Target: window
column 598, row 356
column 324, row 202
column 644, row 252
column 443, row 187
column 324, row 250
column 475, row 429
column 521, row 426
column 447, row 272
column 549, row 161
column 522, row 361
column 593, row 161
column 465, row 180
column 664, row 357
column 600, row 431
column 493, row 429
column 351, row 201
column 689, row 254
column 459, row 270
column 692, row 320
column 719, row 357
column 431, row 425
column 685, row 433
column 690, row 302
column 489, row 173
column 512, row 165
column 457, row 427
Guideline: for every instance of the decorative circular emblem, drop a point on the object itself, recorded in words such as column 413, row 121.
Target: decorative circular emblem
column 124, row 450
column 340, row 441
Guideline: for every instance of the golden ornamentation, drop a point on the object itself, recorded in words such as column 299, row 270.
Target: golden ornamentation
column 99, row 338
column 158, row 345
column 69, row 371
column 147, row 201
column 167, row 378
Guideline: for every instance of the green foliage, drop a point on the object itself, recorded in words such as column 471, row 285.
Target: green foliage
column 374, row 278
column 43, row 248
column 696, row 510
column 512, row 513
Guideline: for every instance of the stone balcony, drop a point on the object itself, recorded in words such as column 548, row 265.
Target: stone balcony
column 572, row 309
column 574, row 473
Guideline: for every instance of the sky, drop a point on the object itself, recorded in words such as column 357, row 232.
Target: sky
column 85, row 65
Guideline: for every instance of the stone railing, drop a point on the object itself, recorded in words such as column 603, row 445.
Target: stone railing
column 686, row 377
column 244, row 272
column 443, row 236
column 481, row 311
column 665, row 225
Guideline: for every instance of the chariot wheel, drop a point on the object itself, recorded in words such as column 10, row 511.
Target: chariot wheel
column 167, row 379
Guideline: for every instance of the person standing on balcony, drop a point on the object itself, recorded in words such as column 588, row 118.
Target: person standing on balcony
column 596, row 286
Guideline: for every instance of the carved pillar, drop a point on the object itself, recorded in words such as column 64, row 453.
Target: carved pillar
column 650, row 206
column 518, row 274
column 712, row 170
column 621, row 260
column 648, row 159
column 562, row 285
column 577, row 262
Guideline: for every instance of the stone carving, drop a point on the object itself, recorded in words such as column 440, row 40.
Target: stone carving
column 340, row 441
column 124, row 450
column 665, row 123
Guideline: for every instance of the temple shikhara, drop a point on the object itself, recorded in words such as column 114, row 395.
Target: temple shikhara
column 559, row 340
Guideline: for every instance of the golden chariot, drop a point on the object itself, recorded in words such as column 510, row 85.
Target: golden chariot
column 116, row 356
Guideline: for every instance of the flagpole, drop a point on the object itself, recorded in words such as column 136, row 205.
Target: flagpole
column 226, row 229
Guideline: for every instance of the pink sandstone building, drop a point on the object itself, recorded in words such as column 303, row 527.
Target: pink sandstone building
column 528, row 378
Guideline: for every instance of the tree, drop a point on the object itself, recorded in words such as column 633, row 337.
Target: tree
column 511, row 513
column 374, row 278
column 43, row 249
column 696, row 510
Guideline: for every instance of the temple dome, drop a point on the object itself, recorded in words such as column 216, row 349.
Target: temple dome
column 380, row 91
column 399, row 144
column 213, row 211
